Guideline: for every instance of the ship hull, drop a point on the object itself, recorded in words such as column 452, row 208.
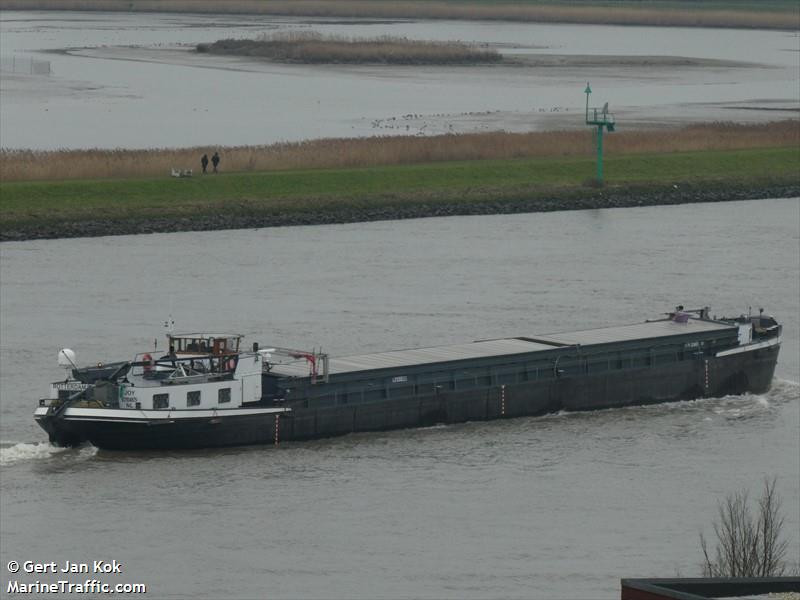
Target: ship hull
column 689, row 380
column 737, row 372
column 143, row 430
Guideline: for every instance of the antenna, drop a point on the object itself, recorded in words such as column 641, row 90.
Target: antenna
column 587, row 91
column 169, row 324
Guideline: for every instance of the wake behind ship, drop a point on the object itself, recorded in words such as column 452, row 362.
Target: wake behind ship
column 206, row 391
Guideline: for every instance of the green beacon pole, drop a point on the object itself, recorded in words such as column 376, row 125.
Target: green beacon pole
column 601, row 119
column 600, row 153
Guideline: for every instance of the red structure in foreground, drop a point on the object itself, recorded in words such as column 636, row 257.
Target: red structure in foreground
column 705, row 588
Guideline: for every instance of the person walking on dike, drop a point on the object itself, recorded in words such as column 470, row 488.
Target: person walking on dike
column 215, row 161
column 204, row 163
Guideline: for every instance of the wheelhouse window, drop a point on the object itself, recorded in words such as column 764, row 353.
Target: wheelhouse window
column 204, row 344
column 193, row 398
column 224, row 395
column 160, row 401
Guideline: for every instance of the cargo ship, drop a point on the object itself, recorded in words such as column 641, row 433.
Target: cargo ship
column 207, row 390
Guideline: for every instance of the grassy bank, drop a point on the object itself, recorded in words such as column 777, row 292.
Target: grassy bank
column 31, row 205
column 18, row 165
column 310, row 47
column 770, row 14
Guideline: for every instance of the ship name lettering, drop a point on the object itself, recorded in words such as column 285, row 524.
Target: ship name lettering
column 72, row 386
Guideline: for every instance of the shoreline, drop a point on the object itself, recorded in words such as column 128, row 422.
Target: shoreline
column 385, row 150
column 563, row 200
column 777, row 15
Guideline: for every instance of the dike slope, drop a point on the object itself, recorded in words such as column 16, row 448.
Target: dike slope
column 580, row 199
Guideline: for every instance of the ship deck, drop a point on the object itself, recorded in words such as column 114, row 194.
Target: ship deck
column 506, row 347
column 628, row 333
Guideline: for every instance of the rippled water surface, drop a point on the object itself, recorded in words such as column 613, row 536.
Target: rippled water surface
column 130, row 80
column 555, row 507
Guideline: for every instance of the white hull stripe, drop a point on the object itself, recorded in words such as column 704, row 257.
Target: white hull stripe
column 149, row 416
column 750, row 347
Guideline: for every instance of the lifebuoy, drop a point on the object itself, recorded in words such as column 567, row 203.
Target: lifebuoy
column 148, row 363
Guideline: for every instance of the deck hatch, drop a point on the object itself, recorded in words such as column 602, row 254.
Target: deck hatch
column 628, row 333
column 507, row 347
column 419, row 356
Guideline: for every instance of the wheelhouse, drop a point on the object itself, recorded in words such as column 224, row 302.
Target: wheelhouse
column 204, row 343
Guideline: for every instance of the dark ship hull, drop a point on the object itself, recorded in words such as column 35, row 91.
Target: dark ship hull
column 495, row 379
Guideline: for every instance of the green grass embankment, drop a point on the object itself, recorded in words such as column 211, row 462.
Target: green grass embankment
column 32, row 205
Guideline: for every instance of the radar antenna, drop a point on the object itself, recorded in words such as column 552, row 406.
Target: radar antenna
column 66, row 359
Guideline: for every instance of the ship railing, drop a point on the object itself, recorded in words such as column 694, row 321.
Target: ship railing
column 186, row 373
column 175, row 366
column 317, row 361
column 57, row 405
column 767, row 333
column 598, row 116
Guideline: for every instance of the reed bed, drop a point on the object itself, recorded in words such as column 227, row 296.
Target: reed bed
column 768, row 15
column 30, row 165
column 313, row 47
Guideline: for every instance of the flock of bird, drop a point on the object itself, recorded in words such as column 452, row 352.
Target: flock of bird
column 411, row 121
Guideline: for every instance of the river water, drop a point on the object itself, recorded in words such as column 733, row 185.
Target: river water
column 131, row 80
column 555, row 507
